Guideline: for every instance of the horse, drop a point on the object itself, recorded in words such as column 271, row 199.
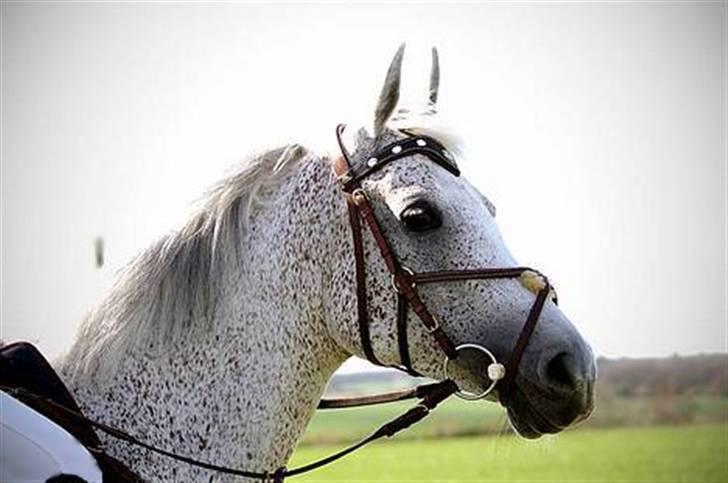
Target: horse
column 219, row 339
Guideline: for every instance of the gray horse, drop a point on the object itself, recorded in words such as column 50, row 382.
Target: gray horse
column 218, row 340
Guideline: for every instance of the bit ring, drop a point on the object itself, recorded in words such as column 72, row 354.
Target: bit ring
column 496, row 372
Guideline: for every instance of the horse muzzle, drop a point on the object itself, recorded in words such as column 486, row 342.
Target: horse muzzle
column 558, row 394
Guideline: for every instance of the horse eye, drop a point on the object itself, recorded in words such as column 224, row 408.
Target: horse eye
column 421, row 216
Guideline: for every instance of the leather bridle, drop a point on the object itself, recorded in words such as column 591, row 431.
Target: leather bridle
column 405, row 284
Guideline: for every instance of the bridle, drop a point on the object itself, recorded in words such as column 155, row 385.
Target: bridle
column 405, row 283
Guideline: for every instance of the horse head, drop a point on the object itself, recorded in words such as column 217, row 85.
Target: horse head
column 435, row 221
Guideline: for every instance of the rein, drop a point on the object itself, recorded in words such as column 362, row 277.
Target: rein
column 430, row 396
column 405, row 283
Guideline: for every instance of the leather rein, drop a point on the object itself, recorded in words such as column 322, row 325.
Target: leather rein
column 405, row 284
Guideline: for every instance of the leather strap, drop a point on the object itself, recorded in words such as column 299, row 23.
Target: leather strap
column 505, row 385
column 430, row 394
column 471, row 274
column 367, row 213
column 357, row 401
column 413, row 144
column 404, row 356
column 361, row 283
column 341, row 169
column 437, row 393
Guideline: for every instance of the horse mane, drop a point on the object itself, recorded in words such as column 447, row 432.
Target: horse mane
column 177, row 280
column 428, row 123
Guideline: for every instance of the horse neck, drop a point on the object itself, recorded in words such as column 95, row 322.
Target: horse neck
column 242, row 392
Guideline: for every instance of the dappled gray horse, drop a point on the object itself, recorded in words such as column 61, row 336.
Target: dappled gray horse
column 218, row 340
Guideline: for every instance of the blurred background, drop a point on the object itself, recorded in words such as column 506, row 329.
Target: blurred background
column 598, row 130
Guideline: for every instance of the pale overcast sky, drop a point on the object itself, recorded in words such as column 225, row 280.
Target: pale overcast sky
column 599, row 131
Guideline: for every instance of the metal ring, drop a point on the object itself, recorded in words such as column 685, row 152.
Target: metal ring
column 394, row 282
column 469, row 396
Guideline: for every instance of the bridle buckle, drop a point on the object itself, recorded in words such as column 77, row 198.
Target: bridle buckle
column 345, row 178
column 408, row 273
column 435, row 327
column 359, row 195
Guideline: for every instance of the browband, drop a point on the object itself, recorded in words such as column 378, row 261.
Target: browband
column 425, row 145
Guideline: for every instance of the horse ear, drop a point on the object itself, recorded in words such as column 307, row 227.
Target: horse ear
column 434, row 77
column 390, row 92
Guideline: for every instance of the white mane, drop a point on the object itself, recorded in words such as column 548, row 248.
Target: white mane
column 427, row 123
column 177, row 279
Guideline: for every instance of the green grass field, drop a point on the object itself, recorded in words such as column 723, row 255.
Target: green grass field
column 652, row 454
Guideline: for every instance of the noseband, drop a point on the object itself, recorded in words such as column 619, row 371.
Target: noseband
column 405, row 282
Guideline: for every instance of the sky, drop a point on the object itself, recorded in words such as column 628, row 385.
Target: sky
column 597, row 129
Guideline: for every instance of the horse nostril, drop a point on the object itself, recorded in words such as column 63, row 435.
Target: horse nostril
column 559, row 373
